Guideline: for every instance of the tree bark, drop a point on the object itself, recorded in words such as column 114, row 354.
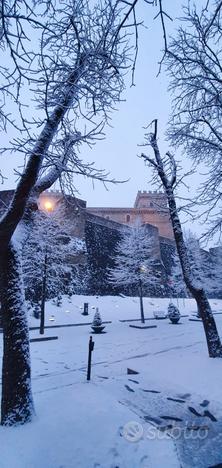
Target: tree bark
column 17, row 403
column 203, row 305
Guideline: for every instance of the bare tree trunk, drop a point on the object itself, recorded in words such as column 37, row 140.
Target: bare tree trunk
column 210, row 328
column 17, row 403
column 203, row 305
column 168, row 182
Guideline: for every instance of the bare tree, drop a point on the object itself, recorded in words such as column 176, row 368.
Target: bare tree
column 165, row 170
column 72, row 57
column 73, row 61
column 193, row 60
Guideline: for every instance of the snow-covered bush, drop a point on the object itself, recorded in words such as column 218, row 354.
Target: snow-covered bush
column 97, row 321
column 173, row 313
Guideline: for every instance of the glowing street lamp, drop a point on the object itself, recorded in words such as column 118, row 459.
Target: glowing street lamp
column 48, row 206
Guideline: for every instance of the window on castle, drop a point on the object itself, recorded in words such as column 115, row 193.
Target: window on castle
column 127, row 218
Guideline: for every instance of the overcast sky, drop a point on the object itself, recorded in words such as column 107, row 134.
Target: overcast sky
column 148, row 100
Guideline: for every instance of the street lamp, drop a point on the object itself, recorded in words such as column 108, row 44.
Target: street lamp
column 44, row 284
column 48, row 206
column 141, row 269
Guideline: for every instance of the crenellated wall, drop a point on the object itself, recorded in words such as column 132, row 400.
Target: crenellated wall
column 149, row 208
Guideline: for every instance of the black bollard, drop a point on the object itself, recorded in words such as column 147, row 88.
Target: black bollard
column 86, row 309
column 91, row 347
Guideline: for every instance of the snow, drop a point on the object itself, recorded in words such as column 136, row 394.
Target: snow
column 82, row 424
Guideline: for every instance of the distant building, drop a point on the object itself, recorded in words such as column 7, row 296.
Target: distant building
column 149, row 208
column 101, row 229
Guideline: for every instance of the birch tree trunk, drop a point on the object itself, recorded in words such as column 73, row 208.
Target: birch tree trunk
column 17, row 403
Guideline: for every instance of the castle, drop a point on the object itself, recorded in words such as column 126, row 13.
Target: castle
column 149, row 208
column 101, row 228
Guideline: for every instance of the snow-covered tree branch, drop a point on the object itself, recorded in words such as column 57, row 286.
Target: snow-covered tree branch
column 165, row 170
column 193, row 62
column 136, row 263
column 73, row 63
column 47, row 236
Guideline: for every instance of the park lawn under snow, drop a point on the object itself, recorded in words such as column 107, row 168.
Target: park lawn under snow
column 82, row 424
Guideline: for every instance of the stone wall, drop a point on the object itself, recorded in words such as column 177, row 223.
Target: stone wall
column 149, row 208
column 101, row 237
column 100, row 234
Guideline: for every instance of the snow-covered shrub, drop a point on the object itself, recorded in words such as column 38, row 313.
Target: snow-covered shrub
column 173, row 313
column 97, row 321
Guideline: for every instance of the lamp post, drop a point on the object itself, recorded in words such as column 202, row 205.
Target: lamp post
column 141, row 301
column 48, row 207
column 141, row 269
column 44, row 284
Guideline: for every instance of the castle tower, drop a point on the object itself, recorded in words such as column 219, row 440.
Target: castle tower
column 154, row 200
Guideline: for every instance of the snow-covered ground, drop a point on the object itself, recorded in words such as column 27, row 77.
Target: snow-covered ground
column 112, row 420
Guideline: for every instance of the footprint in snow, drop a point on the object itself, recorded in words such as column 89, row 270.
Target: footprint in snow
column 165, row 428
column 134, row 381
column 193, row 411
column 209, row 415
column 116, row 458
column 204, row 403
column 143, row 460
column 129, row 388
column 206, row 413
column 172, row 418
column 177, row 400
column 152, row 419
column 186, row 395
column 149, row 391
